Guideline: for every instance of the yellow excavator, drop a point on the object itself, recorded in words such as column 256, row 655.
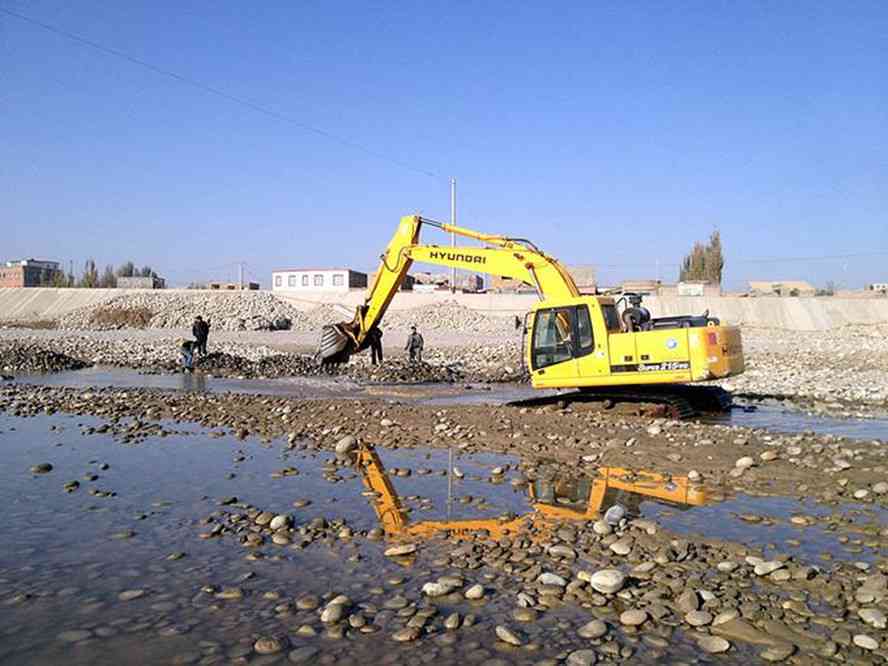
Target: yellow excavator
column 572, row 340
column 550, row 502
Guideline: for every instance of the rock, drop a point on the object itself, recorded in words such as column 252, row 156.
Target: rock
column 614, row 514
column 507, row 635
column 605, row 581
column 713, row 644
column 230, row 593
column 768, row 456
column 345, row 446
column 563, row 551
column 74, row 636
column 688, row 601
column 765, row 568
column 268, row 646
column 41, row 468
column 873, row 617
column 386, row 423
column 698, row 618
column 778, row 652
column 401, row 550
column 551, row 579
column 633, row 618
column 602, row 528
column 745, row 462
column 622, row 546
column 592, row 630
column 475, row 592
column 129, row 595
column 280, row 521
column 332, row 613
column 303, row 655
column 881, row 488
column 581, row 658
column 438, row 589
column 406, row 634
column 866, row 642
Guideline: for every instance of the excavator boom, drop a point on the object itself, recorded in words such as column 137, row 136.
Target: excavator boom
column 514, row 258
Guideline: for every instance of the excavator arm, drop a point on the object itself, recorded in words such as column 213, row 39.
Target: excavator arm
column 514, row 258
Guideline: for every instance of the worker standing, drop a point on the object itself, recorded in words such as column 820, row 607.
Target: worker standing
column 201, row 331
column 375, row 336
column 414, row 345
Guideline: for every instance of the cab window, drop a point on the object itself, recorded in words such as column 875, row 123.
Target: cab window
column 585, row 339
column 611, row 318
column 552, row 336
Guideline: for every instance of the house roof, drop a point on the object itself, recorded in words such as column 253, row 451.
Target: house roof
column 313, row 270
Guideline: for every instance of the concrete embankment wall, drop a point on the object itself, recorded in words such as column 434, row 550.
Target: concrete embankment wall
column 794, row 314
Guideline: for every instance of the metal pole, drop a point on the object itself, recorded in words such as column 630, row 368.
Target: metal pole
column 240, row 274
column 453, row 235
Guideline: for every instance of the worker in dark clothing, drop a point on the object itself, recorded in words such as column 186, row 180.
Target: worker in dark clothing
column 414, row 345
column 375, row 337
column 201, row 331
column 187, row 349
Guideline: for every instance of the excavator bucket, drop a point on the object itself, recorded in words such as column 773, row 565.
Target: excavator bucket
column 336, row 344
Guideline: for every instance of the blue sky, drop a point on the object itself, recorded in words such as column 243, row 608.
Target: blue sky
column 612, row 134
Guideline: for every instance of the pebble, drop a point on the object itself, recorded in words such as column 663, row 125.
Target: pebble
column 42, row 468
column 592, row 630
column 713, row 644
column 401, row 550
column 279, row 521
column 606, row 581
column 866, row 642
column 475, row 592
column 633, row 618
column 551, row 579
column 406, row 634
column 581, row 658
column 777, row 653
column 698, row 618
column 303, row 654
column 74, row 635
column 268, row 646
column 507, row 635
column 873, row 617
column 129, row 595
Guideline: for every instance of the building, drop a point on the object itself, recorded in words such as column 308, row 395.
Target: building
column 233, row 286
column 29, row 273
column 690, row 288
column 406, row 285
column 334, row 280
column 878, row 287
column 781, row 288
column 437, row 279
column 471, row 282
column 141, row 283
column 583, row 276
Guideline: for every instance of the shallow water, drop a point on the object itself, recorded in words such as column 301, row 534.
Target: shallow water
column 66, row 552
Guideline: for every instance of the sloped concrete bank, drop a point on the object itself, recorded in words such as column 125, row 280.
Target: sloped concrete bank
column 791, row 314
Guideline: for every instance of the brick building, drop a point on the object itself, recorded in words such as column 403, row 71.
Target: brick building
column 29, row 273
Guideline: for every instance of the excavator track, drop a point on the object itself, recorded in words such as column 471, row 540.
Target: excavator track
column 681, row 401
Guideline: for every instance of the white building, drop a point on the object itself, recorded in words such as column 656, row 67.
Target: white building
column 317, row 279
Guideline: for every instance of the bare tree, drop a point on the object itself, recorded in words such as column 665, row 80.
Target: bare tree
column 90, row 277
column 108, row 279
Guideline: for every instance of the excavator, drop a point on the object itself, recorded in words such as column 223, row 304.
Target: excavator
column 550, row 502
column 571, row 340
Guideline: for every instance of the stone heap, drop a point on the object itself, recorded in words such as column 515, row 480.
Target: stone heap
column 448, row 315
column 239, row 311
column 30, row 357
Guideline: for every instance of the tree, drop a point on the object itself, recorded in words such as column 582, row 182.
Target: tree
column 147, row 272
column 59, row 280
column 90, row 277
column 705, row 262
column 126, row 270
column 108, row 279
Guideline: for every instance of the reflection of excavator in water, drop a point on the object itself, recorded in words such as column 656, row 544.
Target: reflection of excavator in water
column 551, row 502
column 571, row 340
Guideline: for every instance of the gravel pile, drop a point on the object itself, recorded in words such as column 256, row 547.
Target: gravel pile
column 242, row 311
column 30, row 357
column 448, row 315
column 849, row 364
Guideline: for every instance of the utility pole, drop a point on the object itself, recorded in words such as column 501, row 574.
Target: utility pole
column 452, row 235
column 240, row 274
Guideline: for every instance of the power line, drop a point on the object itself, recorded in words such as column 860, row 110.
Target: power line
column 217, row 92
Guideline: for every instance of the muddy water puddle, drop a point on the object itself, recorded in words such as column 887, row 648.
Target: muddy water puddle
column 117, row 572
